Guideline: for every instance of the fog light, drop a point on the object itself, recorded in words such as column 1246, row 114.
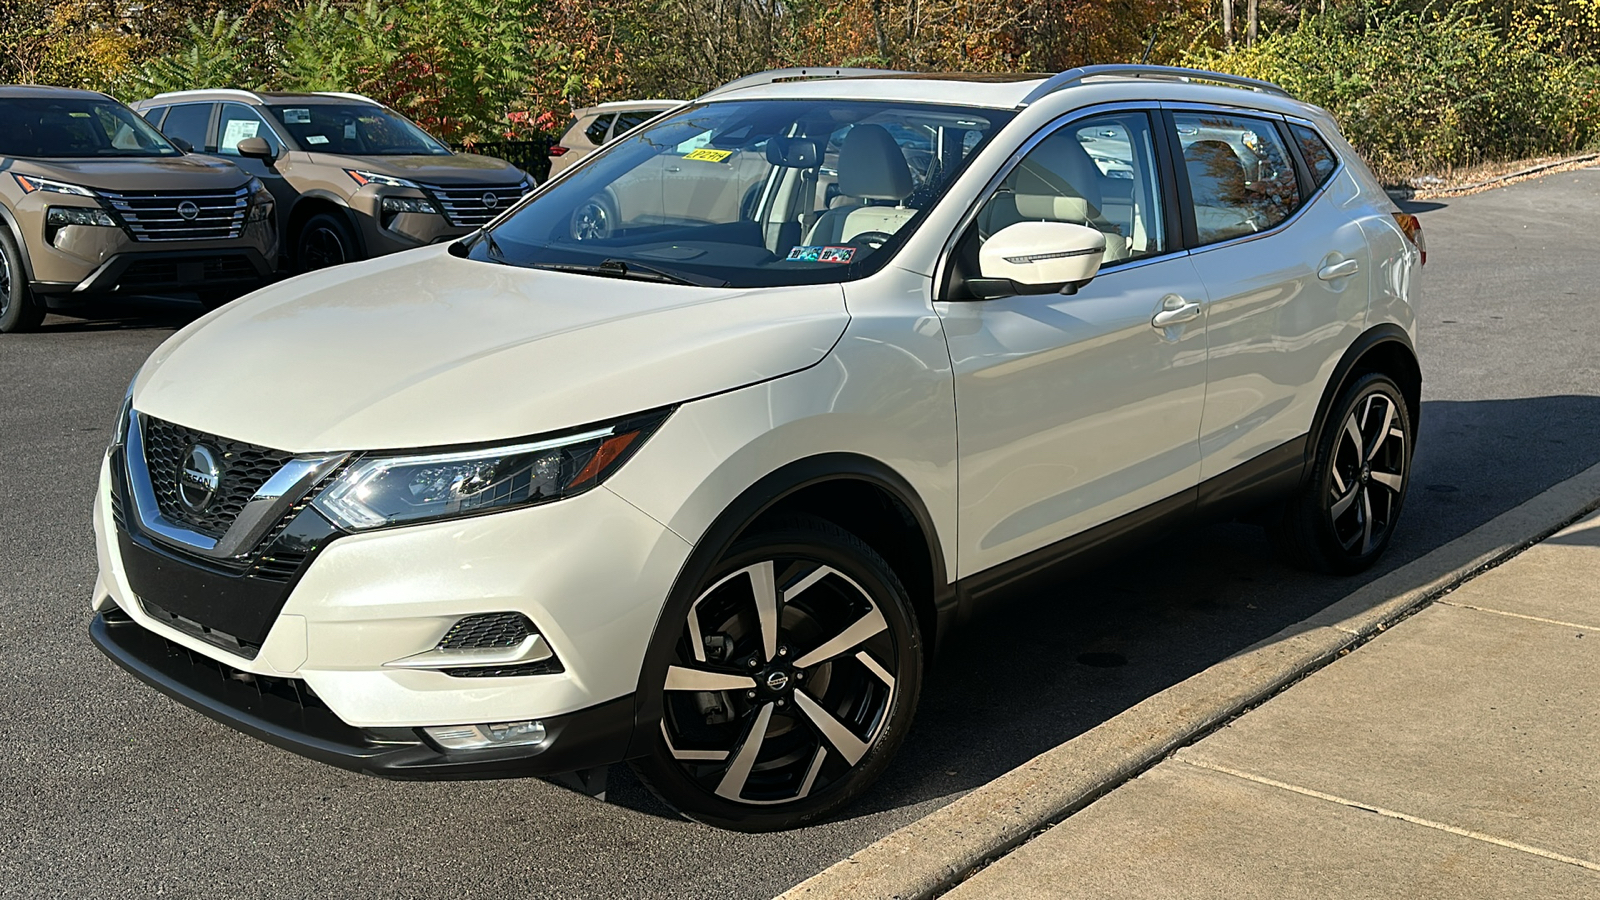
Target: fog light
column 497, row 734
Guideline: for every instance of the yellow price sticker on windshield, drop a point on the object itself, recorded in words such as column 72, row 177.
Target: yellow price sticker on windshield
column 706, row 154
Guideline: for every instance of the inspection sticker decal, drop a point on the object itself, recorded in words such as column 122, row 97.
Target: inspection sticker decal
column 822, row 254
column 706, row 154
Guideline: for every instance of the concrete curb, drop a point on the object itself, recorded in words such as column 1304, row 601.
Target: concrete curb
column 937, row 851
column 1430, row 193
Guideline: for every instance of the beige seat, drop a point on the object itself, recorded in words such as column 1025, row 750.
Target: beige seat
column 1061, row 186
column 871, row 167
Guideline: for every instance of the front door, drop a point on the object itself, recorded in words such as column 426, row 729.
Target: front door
column 1075, row 410
column 237, row 122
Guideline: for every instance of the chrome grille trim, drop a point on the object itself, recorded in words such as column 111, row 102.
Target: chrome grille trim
column 153, row 215
column 463, row 205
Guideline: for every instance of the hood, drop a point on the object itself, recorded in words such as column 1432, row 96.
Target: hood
column 457, row 168
column 161, row 173
column 422, row 349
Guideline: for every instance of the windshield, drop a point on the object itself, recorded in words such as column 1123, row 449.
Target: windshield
column 750, row 194
column 74, row 128
column 355, row 129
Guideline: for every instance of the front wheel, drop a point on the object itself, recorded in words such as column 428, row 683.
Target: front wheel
column 1345, row 515
column 19, row 309
column 324, row 240
column 793, row 679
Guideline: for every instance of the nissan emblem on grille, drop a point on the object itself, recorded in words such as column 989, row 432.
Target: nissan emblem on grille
column 490, row 201
column 197, row 480
column 189, row 210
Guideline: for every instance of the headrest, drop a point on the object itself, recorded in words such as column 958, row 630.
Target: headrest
column 871, row 165
column 793, row 153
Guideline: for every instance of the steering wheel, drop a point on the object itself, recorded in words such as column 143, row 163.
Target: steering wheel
column 871, row 240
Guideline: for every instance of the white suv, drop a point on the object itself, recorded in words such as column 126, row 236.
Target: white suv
column 704, row 484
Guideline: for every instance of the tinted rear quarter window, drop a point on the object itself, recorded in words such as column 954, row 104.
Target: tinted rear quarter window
column 188, row 122
column 628, row 121
column 1319, row 157
column 153, row 115
column 596, row 132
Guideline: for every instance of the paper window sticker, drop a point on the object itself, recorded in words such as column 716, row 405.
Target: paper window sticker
column 349, row 131
column 316, row 139
column 237, row 130
column 297, row 117
column 694, row 143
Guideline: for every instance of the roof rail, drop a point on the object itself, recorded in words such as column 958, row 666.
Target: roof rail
column 251, row 95
column 799, row 74
column 348, row 96
column 1170, row 73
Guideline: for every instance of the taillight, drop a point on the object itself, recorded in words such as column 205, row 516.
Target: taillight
column 557, row 150
column 1411, row 227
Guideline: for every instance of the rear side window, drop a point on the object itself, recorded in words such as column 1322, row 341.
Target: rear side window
column 188, row 122
column 153, row 115
column 628, row 121
column 596, row 132
column 1319, row 158
column 1240, row 178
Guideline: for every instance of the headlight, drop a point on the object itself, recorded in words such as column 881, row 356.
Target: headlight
column 396, row 490
column 78, row 215
column 365, row 178
column 31, row 183
column 407, row 205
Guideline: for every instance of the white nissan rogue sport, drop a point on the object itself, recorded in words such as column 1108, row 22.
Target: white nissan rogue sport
column 694, row 457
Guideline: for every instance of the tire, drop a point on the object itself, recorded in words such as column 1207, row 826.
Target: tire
column 594, row 220
column 1343, row 518
column 324, row 240
column 19, row 309
column 829, row 687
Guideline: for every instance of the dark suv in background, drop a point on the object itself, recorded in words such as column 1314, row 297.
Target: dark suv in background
column 353, row 178
column 95, row 202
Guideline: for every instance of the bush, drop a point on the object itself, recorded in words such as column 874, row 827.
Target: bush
column 1419, row 93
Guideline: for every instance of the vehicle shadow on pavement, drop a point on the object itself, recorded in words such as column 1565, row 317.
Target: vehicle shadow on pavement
column 134, row 313
column 1043, row 669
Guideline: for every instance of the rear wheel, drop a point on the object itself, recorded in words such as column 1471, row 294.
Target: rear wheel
column 19, row 310
column 324, row 240
column 1345, row 515
column 793, row 679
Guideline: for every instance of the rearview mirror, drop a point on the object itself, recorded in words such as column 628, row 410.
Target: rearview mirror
column 256, row 148
column 1038, row 258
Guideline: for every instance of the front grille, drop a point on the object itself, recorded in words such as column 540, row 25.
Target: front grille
column 181, row 215
column 245, row 468
column 465, row 206
column 487, row 630
column 194, row 629
column 149, row 273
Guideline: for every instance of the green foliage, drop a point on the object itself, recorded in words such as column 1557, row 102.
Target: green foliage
column 218, row 54
column 1420, row 92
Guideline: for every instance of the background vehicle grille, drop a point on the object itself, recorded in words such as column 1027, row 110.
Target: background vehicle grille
column 159, row 215
column 163, row 272
column 465, row 206
column 486, row 630
column 245, row 468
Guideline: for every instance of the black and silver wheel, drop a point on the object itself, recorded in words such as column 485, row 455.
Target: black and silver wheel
column 793, row 679
column 593, row 221
column 1344, row 517
column 19, row 311
column 324, row 240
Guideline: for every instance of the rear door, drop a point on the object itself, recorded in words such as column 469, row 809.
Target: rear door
column 1075, row 410
column 190, row 123
column 1286, row 269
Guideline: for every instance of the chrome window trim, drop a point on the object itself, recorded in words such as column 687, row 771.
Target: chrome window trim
column 1149, row 107
column 1299, row 210
column 264, row 508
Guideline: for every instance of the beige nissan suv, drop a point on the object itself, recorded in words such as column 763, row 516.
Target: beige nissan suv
column 95, row 202
column 353, row 178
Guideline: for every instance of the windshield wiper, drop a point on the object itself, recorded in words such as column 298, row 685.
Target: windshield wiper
column 619, row 268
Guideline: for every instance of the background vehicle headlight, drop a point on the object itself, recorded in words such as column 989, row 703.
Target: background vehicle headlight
column 365, row 178
column 393, row 205
column 395, row 490
column 78, row 215
column 31, row 183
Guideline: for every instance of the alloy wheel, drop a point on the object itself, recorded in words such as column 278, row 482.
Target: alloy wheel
column 592, row 222
column 320, row 248
column 5, row 285
column 781, row 682
column 1366, row 481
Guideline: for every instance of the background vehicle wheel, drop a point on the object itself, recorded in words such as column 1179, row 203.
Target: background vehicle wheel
column 594, row 220
column 1342, row 520
column 19, row 311
column 793, row 681
column 324, row 240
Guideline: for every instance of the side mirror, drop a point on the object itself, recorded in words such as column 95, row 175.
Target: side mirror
column 1038, row 258
column 256, row 148
column 181, row 144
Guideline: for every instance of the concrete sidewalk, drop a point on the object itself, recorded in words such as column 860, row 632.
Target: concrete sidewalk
column 1456, row 756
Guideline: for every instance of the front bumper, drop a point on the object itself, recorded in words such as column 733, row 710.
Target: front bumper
column 591, row 572
column 166, row 271
column 285, row 713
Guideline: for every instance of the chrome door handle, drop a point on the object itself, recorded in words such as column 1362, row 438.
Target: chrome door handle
column 1339, row 270
column 1175, row 311
column 674, row 168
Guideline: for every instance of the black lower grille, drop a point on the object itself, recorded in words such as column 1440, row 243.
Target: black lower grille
column 245, row 468
column 194, row 629
column 549, row 666
column 156, row 273
column 487, row 630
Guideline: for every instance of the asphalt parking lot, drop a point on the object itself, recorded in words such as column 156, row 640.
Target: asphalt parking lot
column 111, row 790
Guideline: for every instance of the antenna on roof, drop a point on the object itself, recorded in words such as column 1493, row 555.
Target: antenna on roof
column 1155, row 29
